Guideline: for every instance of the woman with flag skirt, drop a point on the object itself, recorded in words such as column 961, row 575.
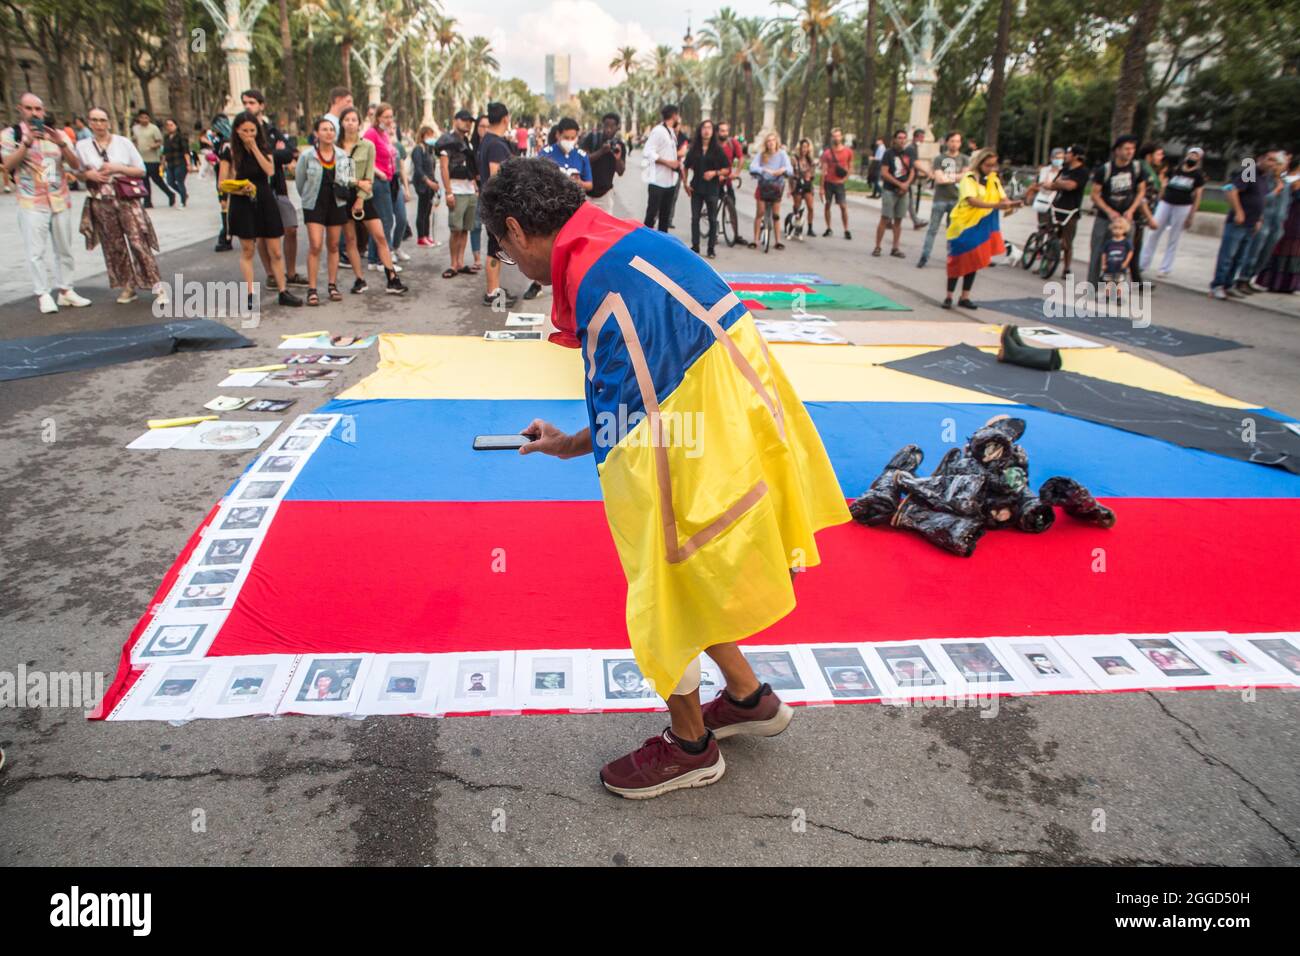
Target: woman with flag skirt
column 974, row 228
column 709, row 542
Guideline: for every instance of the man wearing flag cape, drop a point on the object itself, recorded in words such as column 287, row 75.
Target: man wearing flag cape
column 710, row 531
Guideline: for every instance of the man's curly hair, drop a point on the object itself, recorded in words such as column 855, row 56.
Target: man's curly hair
column 533, row 191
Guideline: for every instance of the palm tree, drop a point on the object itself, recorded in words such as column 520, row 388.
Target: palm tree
column 626, row 61
column 998, row 81
column 290, row 74
column 719, row 35
column 749, row 51
column 347, row 23
column 1132, row 68
column 814, row 19
column 869, row 91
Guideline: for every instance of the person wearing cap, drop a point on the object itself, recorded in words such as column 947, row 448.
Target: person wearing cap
column 457, row 167
column 1176, row 210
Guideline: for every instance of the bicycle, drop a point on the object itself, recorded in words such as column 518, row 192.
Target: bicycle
column 730, row 222
column 1046, row 243
column 768, row 227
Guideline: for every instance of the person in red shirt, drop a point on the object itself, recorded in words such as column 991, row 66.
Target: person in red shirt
column 521, row 139
column 837, row 160
column 734, row 152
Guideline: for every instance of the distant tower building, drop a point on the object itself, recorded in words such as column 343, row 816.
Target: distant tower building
column 688, row 44
column 557, row 77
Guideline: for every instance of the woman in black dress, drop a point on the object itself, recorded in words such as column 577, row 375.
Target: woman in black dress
column 707, row 163
column 254, row 214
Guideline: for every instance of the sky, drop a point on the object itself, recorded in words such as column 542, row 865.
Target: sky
column 591, row 31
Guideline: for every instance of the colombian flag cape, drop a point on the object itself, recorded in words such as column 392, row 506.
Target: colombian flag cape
column 974, row 235
column 713, row 476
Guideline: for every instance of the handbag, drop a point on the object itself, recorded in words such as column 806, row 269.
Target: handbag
column 770, row 191
column 124, row 187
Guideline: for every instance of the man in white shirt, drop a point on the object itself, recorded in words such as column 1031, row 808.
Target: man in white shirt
column 661, row 169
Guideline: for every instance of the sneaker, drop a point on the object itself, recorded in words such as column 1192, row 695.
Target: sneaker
column 1163, row 274
column 69, row 297
column 920, row 263
column 296, row 279
column 402, row 254
column 920, row 223
column 223, row 247
column 359, row 286
column 424, row 241
column 847, row 234
column 660, row 766
column 1244, row 288
column 535, row 289
column 289, row 299
column 1218, row 294
column 826, row 233
column 1254, row 286
column 396, row 286
column 767, row 718
column 1233, row 294
column 127, row 296
column 46, row 302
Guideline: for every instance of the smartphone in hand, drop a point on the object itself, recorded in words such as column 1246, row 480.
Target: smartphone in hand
column 500, row 442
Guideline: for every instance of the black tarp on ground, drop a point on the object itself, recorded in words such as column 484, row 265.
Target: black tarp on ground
column 69, row 351
column 1119, row 329
column 1179, row 421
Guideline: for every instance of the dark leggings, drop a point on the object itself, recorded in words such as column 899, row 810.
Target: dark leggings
column 424, row 214
column 967, row 281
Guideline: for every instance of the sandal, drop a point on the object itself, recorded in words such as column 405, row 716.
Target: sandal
column 450, row 273
column 780, row 245
column 753, row 245
column 312, row 297
column 335, row 294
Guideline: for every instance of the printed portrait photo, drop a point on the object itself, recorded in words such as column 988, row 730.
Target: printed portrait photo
column 624, row 681
column 909, row 667
column 329, row 679
column 776, row 668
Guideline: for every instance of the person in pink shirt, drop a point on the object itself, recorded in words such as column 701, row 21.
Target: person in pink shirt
column 385, row 171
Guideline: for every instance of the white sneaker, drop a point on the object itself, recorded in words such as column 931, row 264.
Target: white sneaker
column 128, row 296
column 47, row 305
column 1163, row 273
column 1218, row 294
column 1256, row 286
column 403, row 255
column 70, row 297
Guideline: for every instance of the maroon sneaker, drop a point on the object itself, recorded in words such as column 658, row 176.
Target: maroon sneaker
column 767, row 718
column 660, row 766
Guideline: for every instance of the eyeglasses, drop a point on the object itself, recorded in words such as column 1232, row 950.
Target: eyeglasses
column 502, row 256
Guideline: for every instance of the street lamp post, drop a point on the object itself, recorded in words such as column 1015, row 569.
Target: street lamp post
column 235, row 26
column 918, row 40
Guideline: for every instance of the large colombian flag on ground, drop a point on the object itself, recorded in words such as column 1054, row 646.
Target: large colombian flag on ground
column 395, row 537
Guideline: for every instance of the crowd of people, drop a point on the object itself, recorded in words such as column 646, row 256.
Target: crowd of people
column 357, row 174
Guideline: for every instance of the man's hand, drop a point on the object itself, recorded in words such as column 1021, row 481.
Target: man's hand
column 451, row 200
column 549, row 440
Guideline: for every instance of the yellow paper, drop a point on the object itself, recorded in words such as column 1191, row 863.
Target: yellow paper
column 174, row 422
column 305, row 335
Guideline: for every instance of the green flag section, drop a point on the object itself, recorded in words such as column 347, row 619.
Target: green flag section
column 824, row 297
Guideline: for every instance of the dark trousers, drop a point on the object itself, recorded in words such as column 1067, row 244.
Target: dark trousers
column 151, row 176
column 704, row 204
column 424, row 215
column 659, row 207
column 176, row 173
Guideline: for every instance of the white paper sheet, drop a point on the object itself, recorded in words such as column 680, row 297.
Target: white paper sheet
column 226, row 403
column 1042, row 664
column 157, row 438
column 164, row 692
column 982, row 668
column 249, row 686
column 552, row 680
column 912, row 669
column 177, row 637
column 242, row 380
column 227, row 435
column 480, row 682
column 1045, row 337
column 844, row 672
column 329, row 342
column 404, row 684
column 1112, row 662
column 789, row 668
column 524, row 319
column 325, row 684
column 617, row 683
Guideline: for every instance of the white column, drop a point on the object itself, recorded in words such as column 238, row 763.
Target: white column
column 238, row 46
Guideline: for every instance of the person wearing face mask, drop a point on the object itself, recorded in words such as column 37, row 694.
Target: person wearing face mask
column 566, row 154
column 1045, row 195
column 423, row 164
column 1175, row 210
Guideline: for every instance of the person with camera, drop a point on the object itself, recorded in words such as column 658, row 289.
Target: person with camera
column 34, row 155
column 836, row 161
column 607, row 154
